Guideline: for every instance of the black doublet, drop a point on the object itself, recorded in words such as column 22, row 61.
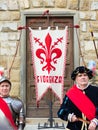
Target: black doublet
column 68, row 107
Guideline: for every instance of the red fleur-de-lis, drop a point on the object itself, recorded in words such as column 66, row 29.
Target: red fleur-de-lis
column 48, row 50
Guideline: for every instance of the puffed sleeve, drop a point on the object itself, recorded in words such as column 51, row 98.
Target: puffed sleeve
column 64, row 111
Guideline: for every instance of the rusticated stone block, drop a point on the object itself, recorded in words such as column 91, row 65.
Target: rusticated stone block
column 61, row 3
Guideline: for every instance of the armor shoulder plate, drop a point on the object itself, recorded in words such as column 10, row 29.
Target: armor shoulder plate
column 16, row 104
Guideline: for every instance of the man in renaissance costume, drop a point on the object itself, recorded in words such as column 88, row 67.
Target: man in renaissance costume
column 12, row 115
column 80, row 104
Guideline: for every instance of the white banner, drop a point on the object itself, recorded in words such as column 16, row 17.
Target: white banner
column 49, row 59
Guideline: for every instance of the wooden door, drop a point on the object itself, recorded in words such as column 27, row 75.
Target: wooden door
column 44, row 110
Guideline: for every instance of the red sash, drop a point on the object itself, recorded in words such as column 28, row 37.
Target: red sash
column 5, row 109
column 83, row 103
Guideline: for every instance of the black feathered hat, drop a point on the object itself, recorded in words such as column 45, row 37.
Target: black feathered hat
column 82, row 69
column 4, row 79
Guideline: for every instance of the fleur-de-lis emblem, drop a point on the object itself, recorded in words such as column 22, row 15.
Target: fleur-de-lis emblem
column 48, row 53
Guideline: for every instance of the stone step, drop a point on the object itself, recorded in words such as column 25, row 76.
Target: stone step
column 44, row 123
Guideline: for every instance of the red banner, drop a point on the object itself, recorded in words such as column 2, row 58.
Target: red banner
column 48, row 49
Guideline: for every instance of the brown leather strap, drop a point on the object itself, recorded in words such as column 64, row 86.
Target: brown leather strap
column 82, row 120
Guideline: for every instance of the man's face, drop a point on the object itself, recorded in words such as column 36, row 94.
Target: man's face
column 82, row 79
column 4, row 89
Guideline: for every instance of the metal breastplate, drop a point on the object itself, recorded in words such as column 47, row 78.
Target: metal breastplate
column 4, row 123
column 17, row 109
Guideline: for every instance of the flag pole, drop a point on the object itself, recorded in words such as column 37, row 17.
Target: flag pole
column 51, row 121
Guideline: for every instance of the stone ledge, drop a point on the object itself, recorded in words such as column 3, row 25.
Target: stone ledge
column 32, row 124
column 35, row 121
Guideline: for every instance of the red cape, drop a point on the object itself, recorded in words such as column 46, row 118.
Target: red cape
column 82, row 102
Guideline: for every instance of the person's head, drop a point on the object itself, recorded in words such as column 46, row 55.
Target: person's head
column 81, row 75
column 5, row 87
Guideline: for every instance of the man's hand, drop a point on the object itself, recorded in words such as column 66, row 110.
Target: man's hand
column 74, row 118
column 92, row 126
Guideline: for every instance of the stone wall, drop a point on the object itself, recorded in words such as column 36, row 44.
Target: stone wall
column 10, row 17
